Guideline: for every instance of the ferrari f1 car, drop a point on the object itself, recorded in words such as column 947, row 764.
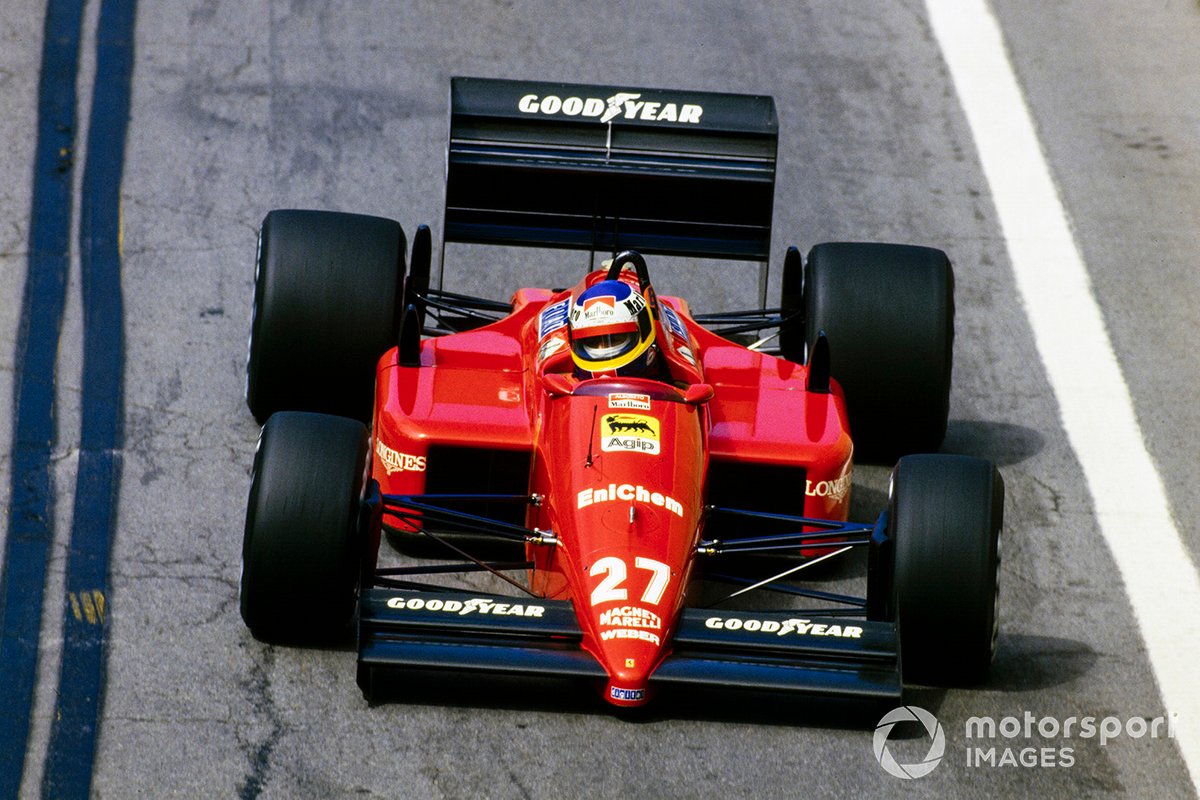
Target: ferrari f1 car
column 391, row 406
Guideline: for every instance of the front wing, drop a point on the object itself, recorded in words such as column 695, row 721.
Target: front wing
column 757, row 650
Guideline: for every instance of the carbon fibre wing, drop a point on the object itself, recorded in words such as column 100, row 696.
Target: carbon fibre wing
column 760, row 650
column 607, row 168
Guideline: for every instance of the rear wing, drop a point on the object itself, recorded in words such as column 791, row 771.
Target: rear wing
column 608, row 168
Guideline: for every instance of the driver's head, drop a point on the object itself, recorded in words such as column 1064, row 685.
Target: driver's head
column 612, row 331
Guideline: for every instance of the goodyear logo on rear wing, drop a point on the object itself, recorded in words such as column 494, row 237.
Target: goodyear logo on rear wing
column 622, row 105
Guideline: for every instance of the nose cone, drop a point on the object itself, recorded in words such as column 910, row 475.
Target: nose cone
column 629, row 640
column 624, row 470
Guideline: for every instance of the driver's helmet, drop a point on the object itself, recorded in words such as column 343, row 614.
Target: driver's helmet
column 612, row 331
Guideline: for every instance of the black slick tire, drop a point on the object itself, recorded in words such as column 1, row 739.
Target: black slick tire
column 945, row 513
column 302, row 551
column 327, row 294
column 888, row 312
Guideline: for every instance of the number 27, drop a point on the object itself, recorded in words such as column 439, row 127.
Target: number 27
column 615, row 572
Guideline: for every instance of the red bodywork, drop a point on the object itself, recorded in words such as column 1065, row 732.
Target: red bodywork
column 621, row 469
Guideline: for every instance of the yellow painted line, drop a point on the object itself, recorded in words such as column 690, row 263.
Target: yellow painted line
column 99, row 602
column 90, row 605
column 89, row 610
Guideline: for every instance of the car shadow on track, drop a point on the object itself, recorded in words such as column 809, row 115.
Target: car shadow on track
column 555, row 696
column 1002, row 443
column 1026, row 663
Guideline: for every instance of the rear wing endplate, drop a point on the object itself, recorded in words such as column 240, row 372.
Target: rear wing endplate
column 608, row 168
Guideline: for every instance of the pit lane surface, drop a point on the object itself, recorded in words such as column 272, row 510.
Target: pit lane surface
column 238, row 108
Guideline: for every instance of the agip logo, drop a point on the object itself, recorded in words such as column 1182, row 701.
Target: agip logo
column 937, row 743
column 632, row 433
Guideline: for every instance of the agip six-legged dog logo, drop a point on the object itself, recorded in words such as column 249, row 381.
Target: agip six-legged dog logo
column 632, row 433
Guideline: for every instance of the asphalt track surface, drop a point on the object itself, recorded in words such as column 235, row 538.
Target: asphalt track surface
column 236, row 108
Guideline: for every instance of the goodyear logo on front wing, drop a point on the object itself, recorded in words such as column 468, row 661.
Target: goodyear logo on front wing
column 475, row 605
column 797, row 627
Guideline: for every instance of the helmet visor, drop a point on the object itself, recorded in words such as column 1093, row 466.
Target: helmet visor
column 605, row 346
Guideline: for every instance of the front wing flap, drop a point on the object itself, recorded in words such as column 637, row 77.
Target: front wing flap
column 758, row 650
column 784, row 651
column 471, row 632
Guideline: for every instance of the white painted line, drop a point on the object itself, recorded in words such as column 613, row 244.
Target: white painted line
column 1097, row 411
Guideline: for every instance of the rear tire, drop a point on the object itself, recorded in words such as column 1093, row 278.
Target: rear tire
column 888, row 311
column 944, row 518
column 302, row 551
column 327, row 293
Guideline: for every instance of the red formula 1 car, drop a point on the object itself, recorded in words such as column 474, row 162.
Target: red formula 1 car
column 626, row 447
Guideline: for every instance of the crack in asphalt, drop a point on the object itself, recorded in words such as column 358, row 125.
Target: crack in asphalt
column 258, row 686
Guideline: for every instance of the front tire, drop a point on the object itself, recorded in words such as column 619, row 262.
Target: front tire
column 944, row 518
column 302, row 549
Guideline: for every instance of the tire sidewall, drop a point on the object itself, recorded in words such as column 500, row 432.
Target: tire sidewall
column 302, row 545
column 944, row 517
column 327, row 293
column 888, row 313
